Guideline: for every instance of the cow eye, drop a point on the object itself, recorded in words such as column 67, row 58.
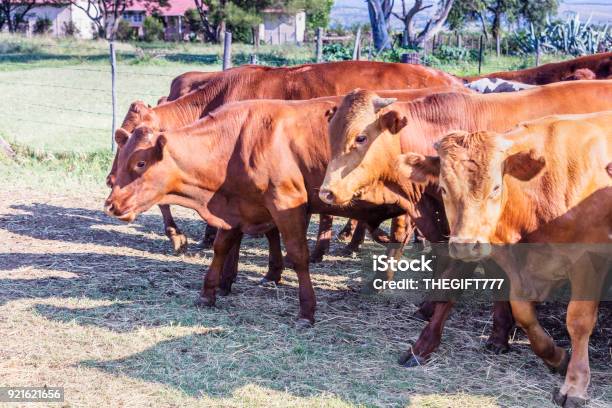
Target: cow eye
column 361, row 139
column 496, row 190
column 141, row 164
column 442, row 190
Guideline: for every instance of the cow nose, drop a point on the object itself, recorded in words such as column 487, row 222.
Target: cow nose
column 326, row 196
column 466, row 248
column 109, row 207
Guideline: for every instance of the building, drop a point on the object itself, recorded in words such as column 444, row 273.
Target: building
column 173, row 16
column 282, row 27
column 60, row 15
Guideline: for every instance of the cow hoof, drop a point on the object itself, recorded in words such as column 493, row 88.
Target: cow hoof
column 561, row 369
column 568, row 402
column 302, row 324
column 224, row 291
column 497, row 348
column 409, row 360
column 346, row 251
column 179, row 243
column 315, row 259
column 268, row 283
column 203, row 301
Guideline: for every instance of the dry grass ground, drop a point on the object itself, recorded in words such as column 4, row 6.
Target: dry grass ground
column 102, row 309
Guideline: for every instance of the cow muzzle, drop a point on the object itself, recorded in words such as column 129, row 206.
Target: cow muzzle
column 111, row 209
column 468, row 249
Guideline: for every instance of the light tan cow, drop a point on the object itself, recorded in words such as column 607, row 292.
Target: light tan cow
column 546, row 182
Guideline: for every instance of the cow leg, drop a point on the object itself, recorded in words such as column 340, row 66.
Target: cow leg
column 224, row 241
column 177, row 238
column 430, row 337
column 541, row 343
column 209, row 237
column 358, row 237
column 230, row 268
column 292, row 226
column 502, row 324
column 323, row 238
column 346, row 233
column 275, row 261
column 581, row 319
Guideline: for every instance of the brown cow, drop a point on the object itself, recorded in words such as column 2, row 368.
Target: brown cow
column 547, row 181
column 600, row 65
column 181, row 86
column 245, row 168
column 368, row 139
column 258, row 82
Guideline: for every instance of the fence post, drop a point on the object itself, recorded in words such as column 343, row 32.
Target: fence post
column 537, row 60
column 458, row 40
column 480, row 53
column 113, row 62
column 357, row 48
column 319, row 44
column 227, row 51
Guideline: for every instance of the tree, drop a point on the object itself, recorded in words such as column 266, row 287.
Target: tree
column 380, row 12
column 317, row 11
column 491, row 14
column 238, row 15
column 415, row 38
column 13, row 12
column 153, row 29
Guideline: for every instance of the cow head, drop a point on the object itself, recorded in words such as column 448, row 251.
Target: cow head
column 360, row 130
column 138, row 114
column 472, row 171
column 143, row 170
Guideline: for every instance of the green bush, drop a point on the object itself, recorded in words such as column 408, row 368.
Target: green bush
column 337, row 52
column 153, row 29
column 124, row 31
column 42, row 26
column 449, row 53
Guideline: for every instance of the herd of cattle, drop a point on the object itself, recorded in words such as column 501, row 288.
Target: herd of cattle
column 257, row 150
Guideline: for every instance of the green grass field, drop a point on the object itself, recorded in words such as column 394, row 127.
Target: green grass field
column 103, row 309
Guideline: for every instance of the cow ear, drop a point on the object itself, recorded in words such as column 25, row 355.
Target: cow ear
column 393, row 122
column 329, row 114
column 160, row 145
column 418, row 168
column 121, row 137
column 524, row 165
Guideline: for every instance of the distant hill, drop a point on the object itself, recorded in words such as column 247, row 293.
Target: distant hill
column 349, row 12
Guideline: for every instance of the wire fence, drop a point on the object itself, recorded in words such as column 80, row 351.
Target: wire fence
column 474, row 51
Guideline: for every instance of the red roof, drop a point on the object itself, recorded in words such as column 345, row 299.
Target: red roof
column 174, row 7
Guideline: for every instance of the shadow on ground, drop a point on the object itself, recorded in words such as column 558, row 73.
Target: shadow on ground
column 350, row 352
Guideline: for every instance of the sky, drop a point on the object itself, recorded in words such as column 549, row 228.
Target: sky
column 348, row 12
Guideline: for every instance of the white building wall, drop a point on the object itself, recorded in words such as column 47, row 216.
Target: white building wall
column 59, row 16
column 280, row 28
